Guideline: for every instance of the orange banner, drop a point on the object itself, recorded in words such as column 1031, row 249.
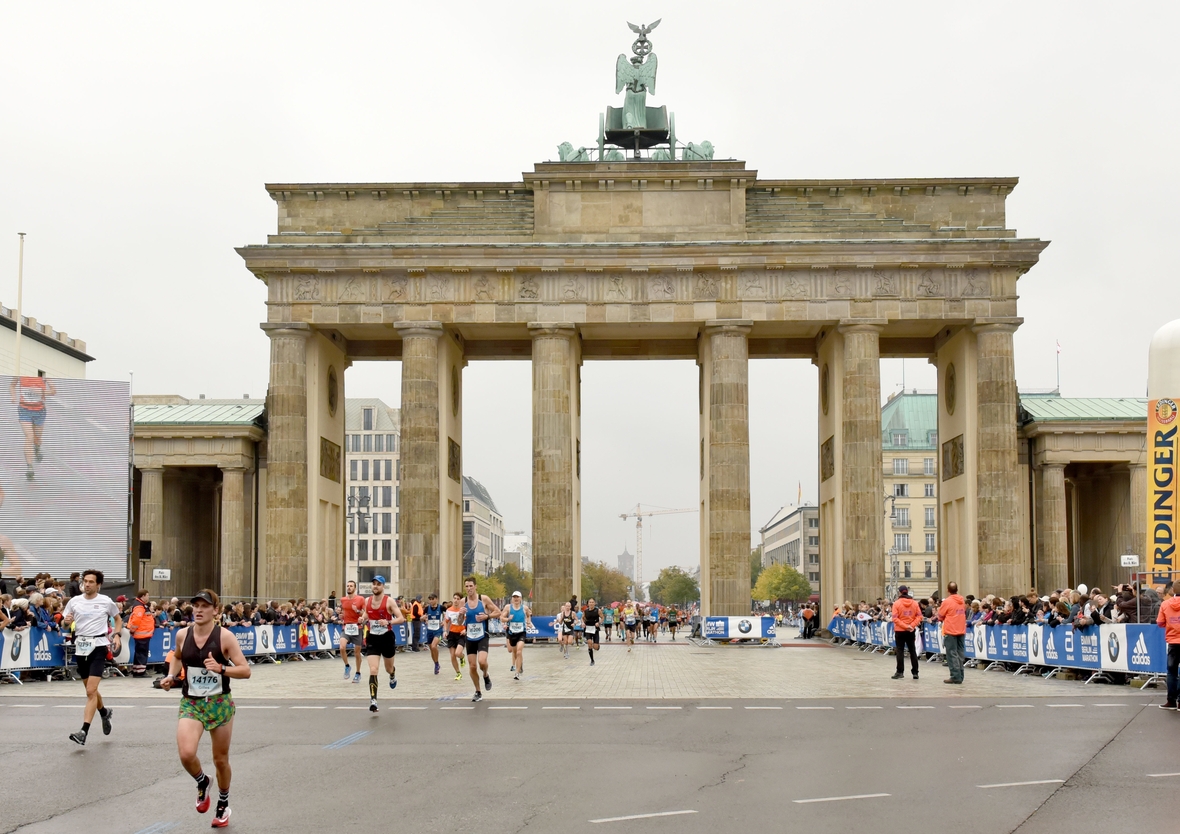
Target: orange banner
column 1161, row 489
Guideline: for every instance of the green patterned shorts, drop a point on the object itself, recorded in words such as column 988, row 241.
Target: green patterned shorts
column 213, row 712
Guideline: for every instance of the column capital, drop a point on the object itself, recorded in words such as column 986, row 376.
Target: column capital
column 1052, row 465
column 234, row 468
column 151, row 467
column 419, row 329
column 742, row 326
column 298, row 329
column 861, row 325
column 996, row 325
column 563, row 329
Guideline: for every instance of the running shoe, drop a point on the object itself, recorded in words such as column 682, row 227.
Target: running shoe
column 487, row 681
column 106, row 722
column 356, row 678
column 37, row 456
column 437, row 668
column 393, row 683
column 462, row 660
column 458, row 676
column 222, row 818
column 372, row 705
column 348, row 672
column 478, row 696
column 79, row 737
column 1161, row 706
column 516, row 677
column 29, row 475
column 203, row 798
column 512, row 668
column 591, row 662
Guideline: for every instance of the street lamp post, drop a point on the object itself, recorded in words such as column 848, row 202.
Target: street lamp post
column 358, row 515
column 891, row 584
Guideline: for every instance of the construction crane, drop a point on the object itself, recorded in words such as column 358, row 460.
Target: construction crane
column 638, row 514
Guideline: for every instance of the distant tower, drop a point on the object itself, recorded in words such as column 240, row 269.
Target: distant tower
column 627, row 564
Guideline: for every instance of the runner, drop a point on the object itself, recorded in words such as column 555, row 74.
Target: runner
column 351, row 606
column 381, row 614
column 517, row 619
column 91, row 613
column 673, row 621
column 31, row 413
column 455, row 634
column 434, row 632
column 608, row 619
column 209, row 655
column 630, row 622
column 653, row 622
column 566, row 621
column 591, row 617
column 579, row 626
column 475, row 619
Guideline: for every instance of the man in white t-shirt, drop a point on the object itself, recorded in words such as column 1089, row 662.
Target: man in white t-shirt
column 91, row 615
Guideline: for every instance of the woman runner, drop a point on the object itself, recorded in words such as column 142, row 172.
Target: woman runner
column 517, row 619
column 455, row 634
column 30, row 411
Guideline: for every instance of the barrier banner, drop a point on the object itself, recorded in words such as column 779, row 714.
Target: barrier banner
column 738, row 628
column 1161, row 490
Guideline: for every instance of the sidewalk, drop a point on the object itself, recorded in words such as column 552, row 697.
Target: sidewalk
column 801, row 669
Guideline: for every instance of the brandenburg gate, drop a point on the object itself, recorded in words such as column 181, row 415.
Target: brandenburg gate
column 674, row 255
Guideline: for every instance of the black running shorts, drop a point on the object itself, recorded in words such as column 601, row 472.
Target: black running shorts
column 455, row 639
column 513, row 639
column 92, row 665
column 380, row 644
column 480, row 645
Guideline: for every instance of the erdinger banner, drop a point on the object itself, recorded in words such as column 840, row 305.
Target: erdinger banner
column 63, row 476
column 738, row 628
column 1161, row 490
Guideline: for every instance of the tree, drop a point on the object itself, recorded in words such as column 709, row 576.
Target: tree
column 603, row 584
column 674, row 587
column 514, row 579
column 781, row 582
column 755, row 565
column 490, row 586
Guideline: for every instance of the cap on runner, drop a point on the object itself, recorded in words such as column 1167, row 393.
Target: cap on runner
column 379, row 579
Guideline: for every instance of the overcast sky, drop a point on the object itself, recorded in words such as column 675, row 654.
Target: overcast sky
column 136, row 138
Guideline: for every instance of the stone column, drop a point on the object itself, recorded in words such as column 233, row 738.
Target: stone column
column 861, row 482
column 286, row 483
column 1002, row 569
column 1138, row 489
column 1053, row 558
column 728, row 468
column 235, row 580
column 419, row 458
column 151, row 514
column 554, row 465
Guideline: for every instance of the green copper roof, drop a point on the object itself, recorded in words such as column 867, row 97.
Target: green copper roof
column 202, row 413
column 1082, row 409
column 913, row 415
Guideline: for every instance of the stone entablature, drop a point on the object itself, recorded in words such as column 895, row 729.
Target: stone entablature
column 222, row 446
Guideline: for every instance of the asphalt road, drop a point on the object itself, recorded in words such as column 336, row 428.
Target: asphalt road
column 1090, row 762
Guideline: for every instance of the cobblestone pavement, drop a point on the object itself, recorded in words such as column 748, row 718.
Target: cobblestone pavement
column 798, row 670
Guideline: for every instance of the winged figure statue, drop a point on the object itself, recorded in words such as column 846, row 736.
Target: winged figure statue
column 637, row 76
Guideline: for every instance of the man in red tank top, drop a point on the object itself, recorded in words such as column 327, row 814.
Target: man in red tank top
column 380, row 615
column 352, row 605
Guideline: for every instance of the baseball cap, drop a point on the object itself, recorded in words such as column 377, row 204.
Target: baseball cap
column 904, row 589
column 203, row 596
column 379, row 578
column 120, row 598
column 517, row 594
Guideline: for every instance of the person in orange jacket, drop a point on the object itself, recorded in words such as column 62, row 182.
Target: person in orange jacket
column 907, row 619
column 142, row 625
column 952, row 613
column 1169, row 621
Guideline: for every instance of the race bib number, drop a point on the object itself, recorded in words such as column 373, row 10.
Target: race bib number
column 203, row 682
column 515, row 628
column 630, row 621
column 352, row 629
column 591, row 629
column 83, row 646
column 475, row 631
column 378, row 629
column 434, row 625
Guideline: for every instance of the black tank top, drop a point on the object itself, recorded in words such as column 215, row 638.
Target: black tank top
column 192, row 657
column 590, row 616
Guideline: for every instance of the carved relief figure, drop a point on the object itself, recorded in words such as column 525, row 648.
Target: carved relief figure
column 307, row 288
column 976, row 284
column 440, row 287
column 573, row 290
column 707, row 286
column 528, row 288
column 793, row 287
column 661, row 287
column 886, row 283
column 354, row 290
column 395, row 288
column 752, row 284
column 617, row 288
column 843, row 284
column 483, row 289
column 929, row 285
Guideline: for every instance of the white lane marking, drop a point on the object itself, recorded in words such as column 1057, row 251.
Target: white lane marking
column 456, row 707
column 763, row 707
column 814, row 707
column 663, row 707
column 364, row 708
column 965, row 706
column 1162, row 775
column 26, row 706
column 412, row 708
column 1064, row 706
column 644, row 816
column 915, row 707
column 1108, row 705
column 1022, row 784
column 67, row 706
column 864, row 707
column 560, row 707
column 306, row 707
column 840, row 798
column 612, row 708
column 507, row 707
column 253, row 706
column 1014, row 706
column 714, row 707
column 162, row 706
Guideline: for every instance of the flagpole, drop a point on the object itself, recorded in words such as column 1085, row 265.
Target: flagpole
column 20, row 285
column 1059, row 367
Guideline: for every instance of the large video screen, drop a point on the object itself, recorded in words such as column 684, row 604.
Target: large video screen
column 64, row 450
